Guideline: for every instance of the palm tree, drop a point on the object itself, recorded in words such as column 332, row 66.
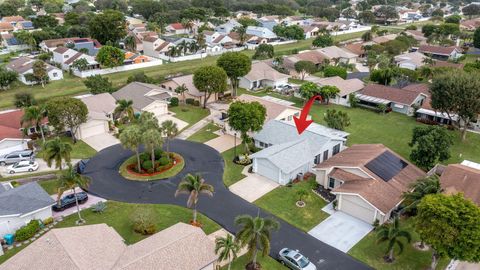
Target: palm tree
column 172, row 51
column 152, row 139
column 193, row 47
column 33, row 116
column 70, row 179
column 181, row 90
column 242, row 34
column 419, row 189
column 130, row 139
column 187, row 24
column 392, row 234
column 201, row 41
column 57, row 150
column 193, row 186
column 130, row 43
column 184, row 46
column 227, row 249
column 124, row 108
column 170, row 130
column 255, row 234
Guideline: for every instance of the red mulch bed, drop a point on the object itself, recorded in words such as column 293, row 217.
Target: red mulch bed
column 132, row 168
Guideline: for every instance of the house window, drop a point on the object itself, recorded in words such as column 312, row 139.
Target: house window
column 325, row 155
column 163, row 86
column 336, row 149
column 289, row 118
column 331, row 183
column 317, row 159
column 55, row 75
column 261, row 144
column 65, row 56
column 32, row 130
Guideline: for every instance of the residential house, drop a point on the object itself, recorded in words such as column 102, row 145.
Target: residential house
column 470, row 25
column 336, row 54
column 261, row 32
column 91, row 45
column 155, row 47
column 24, row 25
column 215, row 38
column 310, row 31
column 13, row 21
column 227, row 27
column 440, row 52
column 146, row 97
column 192, row 91
column 382, row 39
column 6, row 27
column 316, row 57
column 368, row 180
column 276, row 109
column 24, row 66
column 356, row 48
column 100, row 114
column 337, row 26
column 177, row 29
column 12, row 136
column 286, row 155
column 11, row 43
column 135, row 58
column 20, row 205
column 100, row 247
column 411, row 60
column 346, row 87
column 398, row 100
column 410, row 15
column 66, row 57
column 418, row 36
column 262, row 75
column 464, row 178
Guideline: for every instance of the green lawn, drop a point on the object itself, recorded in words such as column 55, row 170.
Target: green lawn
column 371, row 252
column 118, row 215
column 281, row 203
column 80, row 150
column 205, row 134
column 190, row 114
column 50, row 186
column 232, row 172
column 268, row 263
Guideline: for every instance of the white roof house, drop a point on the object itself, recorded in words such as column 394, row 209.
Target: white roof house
column 286, row 154
column 263, row 75
column 261, row 32
column 227, row 27
column 411, row 60
column 66, row 57
column 24, row 65
column 334, row 52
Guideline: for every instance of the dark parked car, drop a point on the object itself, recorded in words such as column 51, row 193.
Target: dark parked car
column 69, row 201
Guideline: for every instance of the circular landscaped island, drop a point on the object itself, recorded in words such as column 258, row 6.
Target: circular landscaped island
column 165, row 166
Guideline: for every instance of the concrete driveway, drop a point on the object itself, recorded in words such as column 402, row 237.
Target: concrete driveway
column 101, row 141
column 164, row 117
column 42, row 167
column 341, row 231
column 92, row 199
column 253, row 186
column 223, row 143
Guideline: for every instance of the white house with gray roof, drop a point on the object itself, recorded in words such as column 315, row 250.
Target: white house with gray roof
column 286, row 154
column 21, row 204
column 100, row 113
column 24, row 66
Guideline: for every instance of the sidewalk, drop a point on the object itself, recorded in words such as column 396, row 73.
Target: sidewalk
column 194, row 128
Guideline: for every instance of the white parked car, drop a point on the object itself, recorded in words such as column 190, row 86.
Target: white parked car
column 23, row 166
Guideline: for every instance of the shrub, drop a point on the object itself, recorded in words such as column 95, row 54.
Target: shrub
column 144, row 157
column 189, row 101
column 48, row 221
column 28, row 231
column 99, row 207
column 196, row 103
column 143, row 222
column 332, row 71
column 163, row 161
column 174, row 102
column 147, row 165
column 158, row 153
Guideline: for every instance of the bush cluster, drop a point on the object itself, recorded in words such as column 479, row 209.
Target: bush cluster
column 174, row 102
column 143, row 222
column 48, row 221
column 28, row 231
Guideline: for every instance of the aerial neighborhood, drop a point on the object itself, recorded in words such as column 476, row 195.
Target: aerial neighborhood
column 239, row 134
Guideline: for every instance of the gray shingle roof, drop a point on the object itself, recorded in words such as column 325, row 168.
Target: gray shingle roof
column 288, row 156
column 137, row 91
column 24, row 199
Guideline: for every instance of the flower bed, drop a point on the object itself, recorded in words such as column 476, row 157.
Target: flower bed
column 129, row 169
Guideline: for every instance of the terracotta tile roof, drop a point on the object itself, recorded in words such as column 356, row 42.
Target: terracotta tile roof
column 10, row 124
column 162, row 46
column 383, row 39
column 150, row 39
column 13, row 19
column 177, row 26
column 383, row 195
column 6, row 26
column 356, row 48
column 460, row 178
column 440, row 50
column 262, row 71
column 422, row 88
column 397, row 95
column 344, row 175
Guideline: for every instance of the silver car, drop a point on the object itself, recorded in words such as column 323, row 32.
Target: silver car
column 16, row 156
column 293, row 259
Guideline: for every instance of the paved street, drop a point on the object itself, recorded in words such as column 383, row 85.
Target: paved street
column 222, row 208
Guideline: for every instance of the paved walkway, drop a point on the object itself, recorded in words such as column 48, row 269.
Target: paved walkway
column 223, row 207
column 253, row 186
column 101, row 141
column 223, row 142
column 194, row 128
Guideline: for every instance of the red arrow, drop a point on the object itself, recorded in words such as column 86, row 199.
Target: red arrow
column 301, row 122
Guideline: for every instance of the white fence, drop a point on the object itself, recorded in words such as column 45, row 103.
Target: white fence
column 360, row 28
column 88, row 73
column 198, row 55
column 275, row 43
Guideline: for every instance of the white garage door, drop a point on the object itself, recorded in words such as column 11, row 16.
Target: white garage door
column 92, row 129
column 267, row 169
column 352, row 205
